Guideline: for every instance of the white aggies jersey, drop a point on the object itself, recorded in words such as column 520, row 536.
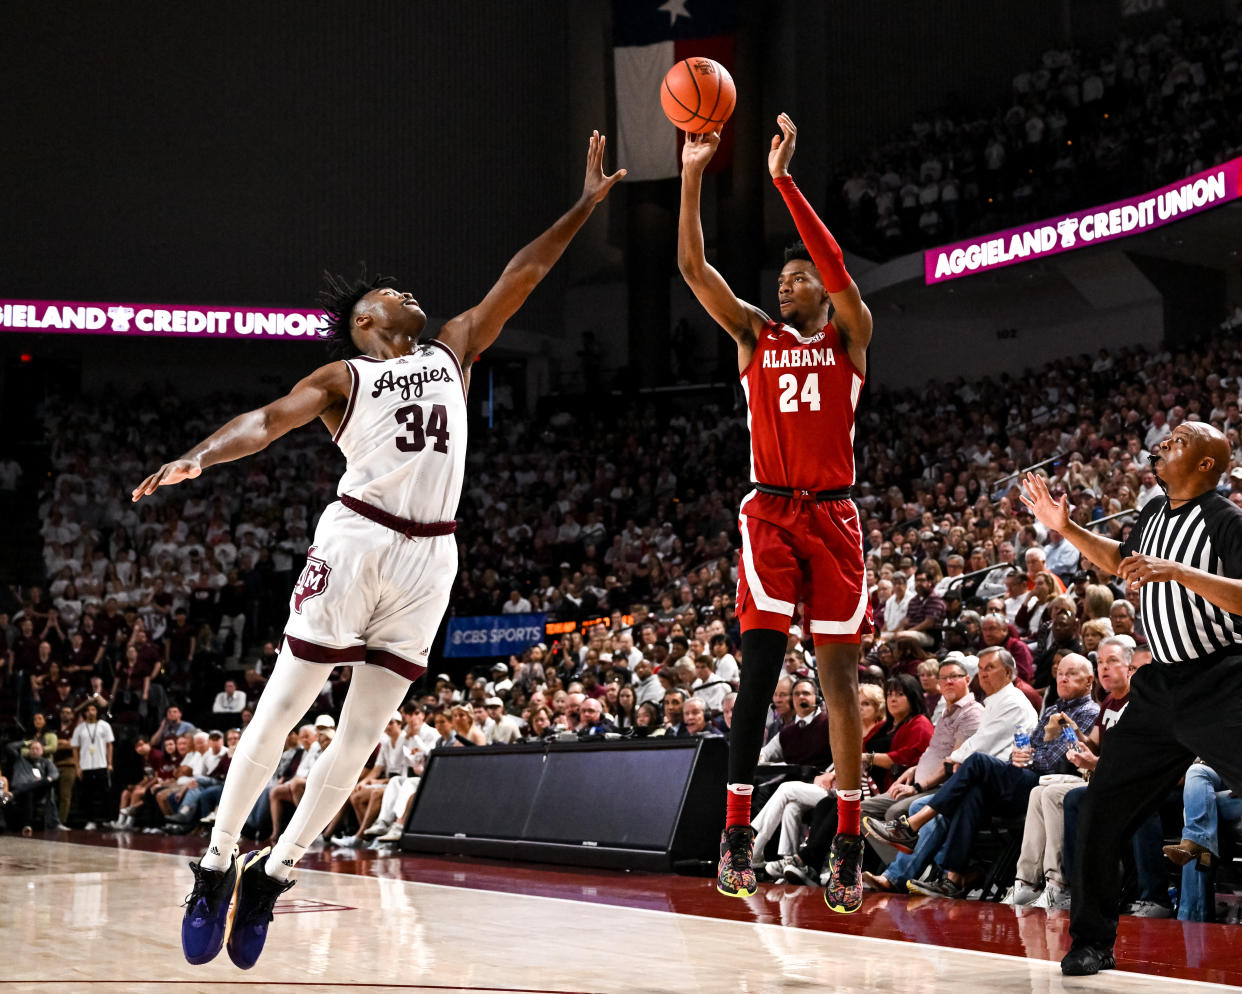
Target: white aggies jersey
column 404, row 433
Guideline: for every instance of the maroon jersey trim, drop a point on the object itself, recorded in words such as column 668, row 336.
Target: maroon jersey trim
column 313, row 652
column 461, row 374
column 396, row 664
column 349, row 406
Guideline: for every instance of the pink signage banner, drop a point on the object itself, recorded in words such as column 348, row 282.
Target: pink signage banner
column 1120, row 219
column 76, row 317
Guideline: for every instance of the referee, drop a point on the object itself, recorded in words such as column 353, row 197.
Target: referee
column 1185, row 556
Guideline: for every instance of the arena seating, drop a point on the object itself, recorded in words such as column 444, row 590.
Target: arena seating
column 1079, row 128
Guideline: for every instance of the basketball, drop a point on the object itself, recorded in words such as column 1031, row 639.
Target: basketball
column 698, row 95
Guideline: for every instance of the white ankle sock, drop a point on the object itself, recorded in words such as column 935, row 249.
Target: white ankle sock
column 283, row 858
column 220, row 851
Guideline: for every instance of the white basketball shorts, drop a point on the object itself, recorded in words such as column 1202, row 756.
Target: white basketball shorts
column 369, row 595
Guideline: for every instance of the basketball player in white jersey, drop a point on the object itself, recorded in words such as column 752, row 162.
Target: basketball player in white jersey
column 378, row 576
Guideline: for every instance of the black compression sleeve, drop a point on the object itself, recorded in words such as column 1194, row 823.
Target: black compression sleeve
column 763, row 654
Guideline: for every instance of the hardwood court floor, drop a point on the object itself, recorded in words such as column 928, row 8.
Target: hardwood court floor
column 100, row 913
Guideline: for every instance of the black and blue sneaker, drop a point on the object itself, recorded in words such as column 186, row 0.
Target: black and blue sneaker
column 253, row 909
column 205, row 926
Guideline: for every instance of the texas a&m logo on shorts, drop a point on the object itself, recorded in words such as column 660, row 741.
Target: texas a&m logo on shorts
column 313, row 581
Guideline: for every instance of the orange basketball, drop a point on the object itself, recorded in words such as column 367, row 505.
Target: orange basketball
column 698, row 95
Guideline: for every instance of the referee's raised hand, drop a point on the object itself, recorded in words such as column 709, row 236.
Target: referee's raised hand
column 1052, row 513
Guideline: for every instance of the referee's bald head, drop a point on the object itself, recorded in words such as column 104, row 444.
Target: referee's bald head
column 1210, row 443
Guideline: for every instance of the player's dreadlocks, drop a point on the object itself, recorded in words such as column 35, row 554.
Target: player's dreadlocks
column 338, row 297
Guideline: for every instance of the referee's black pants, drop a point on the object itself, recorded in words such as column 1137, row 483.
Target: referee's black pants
column 1176, row 712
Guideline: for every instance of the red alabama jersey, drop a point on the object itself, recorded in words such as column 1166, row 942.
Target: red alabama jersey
column 800, row 399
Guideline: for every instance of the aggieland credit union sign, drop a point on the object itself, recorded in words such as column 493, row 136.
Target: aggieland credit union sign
column 78, row 317
column 1120, row 219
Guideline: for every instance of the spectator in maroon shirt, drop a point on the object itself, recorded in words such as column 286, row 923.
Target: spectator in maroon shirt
column 92, row 641
column 201, row 592
column 180, row 643
column 80, row 660
column 64, row 691
column 997, row 630
column 148, row 651
column 153, row 762
column 42, row 665
column 125, row 630
column 46, row 692
column 37, row 606
column 53, row 632
column 134, row 680
column 925, row 612
column 25, row 649
column 108, row 623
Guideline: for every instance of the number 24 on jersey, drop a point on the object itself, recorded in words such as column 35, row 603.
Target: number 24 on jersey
column 791, row 396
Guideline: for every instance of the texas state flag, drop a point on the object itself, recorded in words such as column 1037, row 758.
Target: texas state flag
column 648, row 37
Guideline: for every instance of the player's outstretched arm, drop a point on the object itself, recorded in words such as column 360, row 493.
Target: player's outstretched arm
column 318, row 394
column 852, row 319
column 471, row 332
column 738, row 318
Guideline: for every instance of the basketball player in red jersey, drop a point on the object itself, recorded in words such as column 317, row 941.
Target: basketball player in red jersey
column 801, row 539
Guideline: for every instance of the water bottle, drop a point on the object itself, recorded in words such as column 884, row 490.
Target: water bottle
column 1021, row 740
column 1069, row 738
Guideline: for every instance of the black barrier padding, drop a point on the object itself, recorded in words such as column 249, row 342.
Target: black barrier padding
column 644, row 804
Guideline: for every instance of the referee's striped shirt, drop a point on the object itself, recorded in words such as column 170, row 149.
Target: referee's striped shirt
column 1205, row 533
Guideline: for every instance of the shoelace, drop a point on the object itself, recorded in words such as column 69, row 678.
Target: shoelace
column 264, row 908
column 849, row 857
column 739, row 858
column 202, row 886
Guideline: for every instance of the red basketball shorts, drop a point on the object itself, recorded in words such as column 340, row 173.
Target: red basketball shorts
column 801, row 551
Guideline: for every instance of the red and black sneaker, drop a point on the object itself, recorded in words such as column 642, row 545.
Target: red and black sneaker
column 736, row 876
column 844, row 893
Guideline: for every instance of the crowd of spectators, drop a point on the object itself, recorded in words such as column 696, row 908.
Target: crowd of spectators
column 175, row 605
column 1082, row 127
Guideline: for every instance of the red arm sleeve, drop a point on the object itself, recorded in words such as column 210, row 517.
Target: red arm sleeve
column 825, row 252
column 911, row 741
